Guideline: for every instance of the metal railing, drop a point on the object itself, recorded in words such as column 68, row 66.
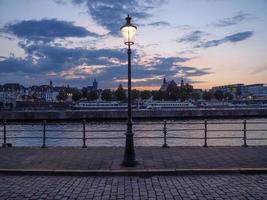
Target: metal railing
column 167, row 133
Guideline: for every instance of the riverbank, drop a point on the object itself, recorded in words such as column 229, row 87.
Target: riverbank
column 137, row 114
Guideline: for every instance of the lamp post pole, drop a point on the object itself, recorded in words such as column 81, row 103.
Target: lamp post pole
column 129, row 151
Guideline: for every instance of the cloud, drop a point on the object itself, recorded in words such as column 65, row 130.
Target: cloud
column 259, row 70
column 46, row 30
column 110, row 14
column 238, row 37
column 159, row 23
column 78, row 66
column 194, row 36
column 44, row 58
column 237, row 19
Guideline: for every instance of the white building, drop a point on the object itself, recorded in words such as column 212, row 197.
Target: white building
column 51, row 96
column 255, row 90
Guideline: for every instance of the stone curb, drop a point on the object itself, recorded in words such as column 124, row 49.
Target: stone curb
column 133, row 172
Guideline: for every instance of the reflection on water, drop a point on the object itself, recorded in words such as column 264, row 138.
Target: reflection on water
column 73, row 131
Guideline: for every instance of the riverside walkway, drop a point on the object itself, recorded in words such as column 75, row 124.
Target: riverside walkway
column 150, row 159
column 162, row 173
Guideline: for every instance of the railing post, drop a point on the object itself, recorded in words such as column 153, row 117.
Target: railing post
column 165, row 135
column 84, row 135
column 245, row 134
column 205, row 133
column 44, row 134
column 4, row 131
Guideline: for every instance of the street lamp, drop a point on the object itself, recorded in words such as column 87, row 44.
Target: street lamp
column 128, row 31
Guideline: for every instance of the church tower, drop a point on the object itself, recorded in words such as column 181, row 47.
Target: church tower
column 182, row 82
column 95, row 85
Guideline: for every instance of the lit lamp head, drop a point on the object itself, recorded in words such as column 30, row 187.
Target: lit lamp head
column 128, row 31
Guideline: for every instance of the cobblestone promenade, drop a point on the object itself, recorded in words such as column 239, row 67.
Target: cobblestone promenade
column 135, row 186
column 206, row 187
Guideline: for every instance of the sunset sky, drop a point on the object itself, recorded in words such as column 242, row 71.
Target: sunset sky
column 205, row 42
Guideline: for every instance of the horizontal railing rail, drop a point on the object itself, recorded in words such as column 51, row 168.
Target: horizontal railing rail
column 169, row 130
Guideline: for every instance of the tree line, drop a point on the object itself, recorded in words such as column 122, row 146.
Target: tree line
column 172, row 93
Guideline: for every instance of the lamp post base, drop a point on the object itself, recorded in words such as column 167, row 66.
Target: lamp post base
column 129, row 152
column 129, row 163
column 6, row 145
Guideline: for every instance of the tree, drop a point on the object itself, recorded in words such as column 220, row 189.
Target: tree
column 172, row 92
column 207, row 96
column 158, row 95
column 76, row 95
column 183, row 95
column 84, row 93
column 120, row 93
column 145, row 94
column 218, row 94
column 188, row 88
column 106, row 95
column 10, row 105
column 92, row 96
column 195, row 95
column 185, row 92
column 62, row 96
column 228, row 96
column 135, row 94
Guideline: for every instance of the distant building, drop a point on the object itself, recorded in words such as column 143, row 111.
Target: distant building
column 166, row 84
column 51, row 96
column 244, row 91
column 10, row 93
column 44, row 92
column 93, row 87
column 234, row 89
column 254, row 91
column 182, row 83
column 39, row 92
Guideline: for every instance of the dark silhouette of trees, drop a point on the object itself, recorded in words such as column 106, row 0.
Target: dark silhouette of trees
column 76, row 95
column 158, row 95
column 171, row 92
column 84, row 93
column 62, row 96
column 185, row 92
column 145, row 94
column 92, row 96
column 120, row 94
column 207, row 96
column 195, row 95
column 106, row 95
column 218, row 94
column 183, row 95
column 228, row 96
column 135, row 94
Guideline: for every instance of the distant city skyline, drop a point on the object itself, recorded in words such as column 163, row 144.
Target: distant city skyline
column 206, row 42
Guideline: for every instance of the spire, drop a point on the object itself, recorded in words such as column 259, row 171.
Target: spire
column 182, row 82
column 164, row 80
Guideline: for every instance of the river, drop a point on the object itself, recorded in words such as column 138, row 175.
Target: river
column 154, row 128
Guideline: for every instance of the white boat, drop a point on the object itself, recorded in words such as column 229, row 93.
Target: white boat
column 99, row 105
column 217, row 104
column 154, row 105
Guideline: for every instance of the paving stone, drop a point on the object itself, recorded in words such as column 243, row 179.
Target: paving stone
column 216, row 187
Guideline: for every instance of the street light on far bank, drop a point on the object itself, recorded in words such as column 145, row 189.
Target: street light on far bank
column 128, row 31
